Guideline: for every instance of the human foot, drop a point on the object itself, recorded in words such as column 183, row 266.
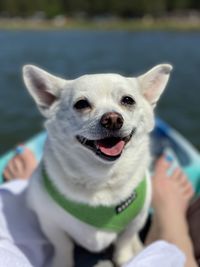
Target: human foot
column 170, row 191
column 171, row 196
column 21, row 165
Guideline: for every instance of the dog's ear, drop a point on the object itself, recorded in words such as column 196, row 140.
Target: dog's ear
column 43, row 87
column 153, row 82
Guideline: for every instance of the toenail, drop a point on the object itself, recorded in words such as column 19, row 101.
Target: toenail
column 168, row 158
column 19, row 149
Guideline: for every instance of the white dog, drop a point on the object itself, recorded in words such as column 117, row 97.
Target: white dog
column 92, row 183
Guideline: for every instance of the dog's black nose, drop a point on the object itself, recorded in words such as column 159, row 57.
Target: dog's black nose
column 112, row 121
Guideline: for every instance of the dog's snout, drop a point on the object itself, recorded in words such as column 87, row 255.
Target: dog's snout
column 112, row 121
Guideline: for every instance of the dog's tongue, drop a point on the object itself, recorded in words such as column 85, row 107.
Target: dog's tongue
column 111, row 149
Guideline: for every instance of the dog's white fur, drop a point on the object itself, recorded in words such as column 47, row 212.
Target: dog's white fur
column 76, row 171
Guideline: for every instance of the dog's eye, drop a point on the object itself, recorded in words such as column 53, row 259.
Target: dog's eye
column 127, row 101
column 82, row 104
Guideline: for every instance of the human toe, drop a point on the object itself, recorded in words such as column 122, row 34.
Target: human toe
column 162, row 165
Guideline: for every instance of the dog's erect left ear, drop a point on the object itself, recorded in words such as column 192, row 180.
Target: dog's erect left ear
column 153, row 82
column 43, row 87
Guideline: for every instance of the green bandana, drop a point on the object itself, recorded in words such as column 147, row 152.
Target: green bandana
column 113, row 218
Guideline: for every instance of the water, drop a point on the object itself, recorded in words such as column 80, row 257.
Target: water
column 73, row 53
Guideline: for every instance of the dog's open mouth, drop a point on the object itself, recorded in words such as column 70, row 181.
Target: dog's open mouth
column 109, row 148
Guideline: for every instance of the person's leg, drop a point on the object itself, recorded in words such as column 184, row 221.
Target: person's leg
column 171, row 197
column 21, row 165
column 193, row 221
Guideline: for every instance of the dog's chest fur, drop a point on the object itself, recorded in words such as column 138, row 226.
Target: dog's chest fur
column 85, row 235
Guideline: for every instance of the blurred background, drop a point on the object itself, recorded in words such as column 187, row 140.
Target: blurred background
column 73, row 37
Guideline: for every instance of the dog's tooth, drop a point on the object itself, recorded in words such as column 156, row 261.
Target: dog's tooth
column 84, row 140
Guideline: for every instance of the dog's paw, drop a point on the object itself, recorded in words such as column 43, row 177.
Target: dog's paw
column 137, row 247
column 127, row 252
column 123, row 256
column 105, row 263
